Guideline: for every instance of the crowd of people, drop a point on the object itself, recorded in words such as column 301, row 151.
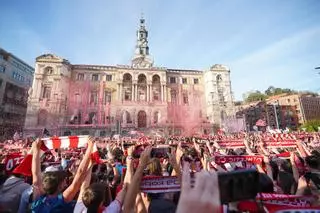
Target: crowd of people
column 243, row 172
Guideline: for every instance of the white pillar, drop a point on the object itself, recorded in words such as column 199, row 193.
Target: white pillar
column 165, row 93
column 118, row 91
column 120, row 98
column 132, row 93
column 147, row 93
column 38, row 89
column 135, row 92
column 150, row 93
column 161, row 90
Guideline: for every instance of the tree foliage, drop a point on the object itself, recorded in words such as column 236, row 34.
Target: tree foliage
column 277, row 91
column 255, row 96
column 271, row 91
column 311, row 126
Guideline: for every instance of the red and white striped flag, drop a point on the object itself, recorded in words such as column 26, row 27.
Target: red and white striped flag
column 56, row 143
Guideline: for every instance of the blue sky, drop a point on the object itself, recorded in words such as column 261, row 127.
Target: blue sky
column 264, row 43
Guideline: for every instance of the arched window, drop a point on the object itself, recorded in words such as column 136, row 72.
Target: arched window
column 48, row 71
column 156, row 88
column 173, row 94
column 142, row 87
column 185, row 97
column 126, row 117
column 219, row 78
column 127, row 87
column 92, row 118
column 156, row 117
column 221, row 94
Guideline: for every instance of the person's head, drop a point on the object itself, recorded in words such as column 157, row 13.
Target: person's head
column 95, row 196
column 313, row 161
column 53, row 182
column 154, row 167
column 118, row 154
column 286, row 181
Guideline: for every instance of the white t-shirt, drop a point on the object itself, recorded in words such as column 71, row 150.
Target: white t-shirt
column 114, row 207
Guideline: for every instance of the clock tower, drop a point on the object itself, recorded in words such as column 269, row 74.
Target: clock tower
column 141, row 58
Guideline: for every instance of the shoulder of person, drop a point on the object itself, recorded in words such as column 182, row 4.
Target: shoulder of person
column 80, row 208
column 114, row 207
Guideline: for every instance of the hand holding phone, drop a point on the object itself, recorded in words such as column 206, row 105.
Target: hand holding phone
column 160, row 152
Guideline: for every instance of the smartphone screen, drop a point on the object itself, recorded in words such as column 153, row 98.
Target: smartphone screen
column 238, row 185
column 161, row 152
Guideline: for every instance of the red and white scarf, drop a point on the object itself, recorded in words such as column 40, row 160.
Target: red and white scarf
column 222, row 159
column 56, row 143
column 160, row 184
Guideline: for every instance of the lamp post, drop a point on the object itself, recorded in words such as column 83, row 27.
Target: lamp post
column 275, row 112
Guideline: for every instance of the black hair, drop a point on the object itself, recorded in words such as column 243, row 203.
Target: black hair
column 265, row 183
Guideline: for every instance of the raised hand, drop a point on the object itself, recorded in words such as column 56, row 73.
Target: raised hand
column 204, row 197
column 37, row 144
column 145, row 156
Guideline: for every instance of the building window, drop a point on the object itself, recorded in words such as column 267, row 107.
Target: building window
column 185, row 98
column 173, row 96
column 288, row 100
column 172, row 80
column 46, row 92
column 184, row 80
column 156, row 116
column 220, row 94
column 95, row 77
column 108, row 77
column 107, row 97
column 93, row 98
column 49, row 71
column 219, row 78
column 2, row 69
column 80, row 77
column 196, row 81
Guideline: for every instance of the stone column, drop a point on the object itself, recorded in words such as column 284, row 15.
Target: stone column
column 121, row 98
column 135, row 92
column 148, row 91
column 165, row 93
column 118, row 91
column 38, row 89
column 132, row 93
column 161, row 91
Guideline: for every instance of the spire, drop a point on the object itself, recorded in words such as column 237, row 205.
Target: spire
column 142, row 47
column 141, row 56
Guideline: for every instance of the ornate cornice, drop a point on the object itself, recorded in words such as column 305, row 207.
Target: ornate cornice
column 184, row 71
column 94, row 67
column 51, row 58
column 219, row 67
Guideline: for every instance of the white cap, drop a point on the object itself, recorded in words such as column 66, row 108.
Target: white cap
column 51, row 169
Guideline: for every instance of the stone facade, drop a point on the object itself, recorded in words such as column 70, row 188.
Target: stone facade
column 95, row 99
column 15, row 80
column 307, row 106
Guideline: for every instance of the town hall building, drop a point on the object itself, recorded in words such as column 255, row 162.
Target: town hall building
column 70, row 99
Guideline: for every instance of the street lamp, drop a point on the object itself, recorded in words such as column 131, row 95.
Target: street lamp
column 275, row 112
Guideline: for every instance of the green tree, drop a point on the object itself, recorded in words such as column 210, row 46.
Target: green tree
column 311, row 126
column 277, row 91
column 255, row 96
column 270, row 91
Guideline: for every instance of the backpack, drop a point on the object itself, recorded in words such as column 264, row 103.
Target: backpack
column 51, row 205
